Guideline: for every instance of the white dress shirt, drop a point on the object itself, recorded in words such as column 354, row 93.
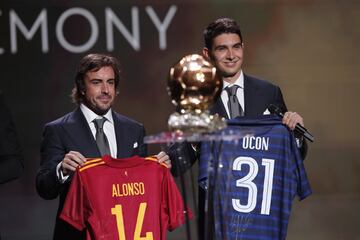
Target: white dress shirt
column 109, row 128
column 239, row 93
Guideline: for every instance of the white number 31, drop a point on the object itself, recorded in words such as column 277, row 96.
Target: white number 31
column 247, row 182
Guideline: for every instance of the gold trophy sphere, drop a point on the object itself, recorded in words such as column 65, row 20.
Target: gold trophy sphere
column 193, row 85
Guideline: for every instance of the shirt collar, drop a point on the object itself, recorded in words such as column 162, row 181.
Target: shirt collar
column 90, row 115
column 239, row 81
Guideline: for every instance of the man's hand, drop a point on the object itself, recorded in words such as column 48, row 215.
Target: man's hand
column 164, row 158
column 71, row 161
column 290, row 119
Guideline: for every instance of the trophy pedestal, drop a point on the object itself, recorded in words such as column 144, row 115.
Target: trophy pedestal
column 195, row 122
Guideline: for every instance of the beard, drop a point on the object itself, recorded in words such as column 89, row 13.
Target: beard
column 96, row 107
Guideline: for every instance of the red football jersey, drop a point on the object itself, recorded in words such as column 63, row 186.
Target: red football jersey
column 131, row 198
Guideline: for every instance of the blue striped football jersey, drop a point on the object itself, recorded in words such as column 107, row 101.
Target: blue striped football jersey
column 254, row 179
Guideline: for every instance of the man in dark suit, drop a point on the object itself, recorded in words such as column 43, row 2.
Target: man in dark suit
column 11, row 159
column 224, row 47
column 69, row 140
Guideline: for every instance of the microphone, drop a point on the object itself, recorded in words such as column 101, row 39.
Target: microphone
column 300, row 129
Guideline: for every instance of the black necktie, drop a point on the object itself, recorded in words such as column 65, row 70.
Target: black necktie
column 100, row 136
column 235, row 109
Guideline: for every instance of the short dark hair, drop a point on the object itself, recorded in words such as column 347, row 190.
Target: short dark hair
column 220, row 26
column 92, row 62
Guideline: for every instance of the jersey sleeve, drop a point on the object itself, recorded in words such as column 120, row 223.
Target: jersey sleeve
column 303, row 185
column 75, row 203
column 173, row 203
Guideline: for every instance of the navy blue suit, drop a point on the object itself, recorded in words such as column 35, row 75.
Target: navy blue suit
column 72, row 133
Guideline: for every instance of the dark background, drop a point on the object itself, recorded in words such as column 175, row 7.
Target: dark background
column 309, row 48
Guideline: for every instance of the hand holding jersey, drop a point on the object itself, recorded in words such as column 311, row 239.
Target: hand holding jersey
column 162, row 157
column 71, row 161
column 290, row 119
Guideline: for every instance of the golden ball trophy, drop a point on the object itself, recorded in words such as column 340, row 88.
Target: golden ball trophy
column 193, row 85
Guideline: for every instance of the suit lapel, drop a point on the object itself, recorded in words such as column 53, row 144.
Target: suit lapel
column 79, row 132
column 121, row 139
column 219, row 108
column 250, row 93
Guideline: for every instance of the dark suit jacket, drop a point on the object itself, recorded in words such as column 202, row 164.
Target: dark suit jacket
column 11, row 159
column 72, row 133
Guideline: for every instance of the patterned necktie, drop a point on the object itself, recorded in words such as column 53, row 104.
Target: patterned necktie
column 234, row 106
column 100, row 136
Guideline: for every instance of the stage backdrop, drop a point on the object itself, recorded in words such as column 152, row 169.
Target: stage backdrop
column 309, row 48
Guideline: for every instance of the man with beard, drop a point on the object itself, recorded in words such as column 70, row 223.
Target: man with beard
column 92, row 130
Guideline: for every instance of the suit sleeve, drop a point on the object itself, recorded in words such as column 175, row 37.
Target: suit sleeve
column 75, row 204
column 52, row 152
column 142, row 145
column 11, row 159
column 183, row 156
column 279, row 101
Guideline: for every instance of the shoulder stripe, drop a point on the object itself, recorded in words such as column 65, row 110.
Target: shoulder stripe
column 91, row 165
column 92, row 160
column 154, row 159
